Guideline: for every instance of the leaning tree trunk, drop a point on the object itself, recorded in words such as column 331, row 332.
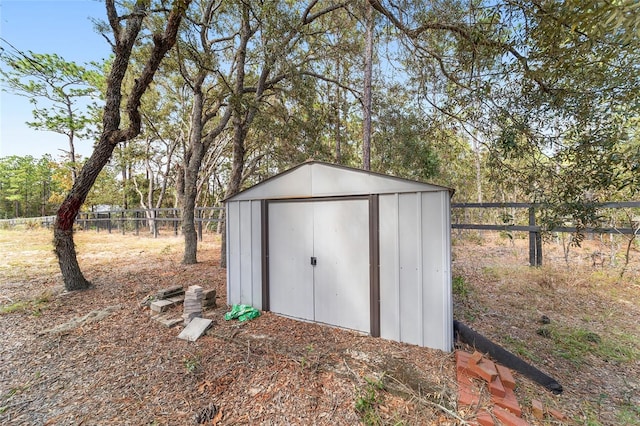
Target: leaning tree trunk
column 125, row 38
column 63, row 228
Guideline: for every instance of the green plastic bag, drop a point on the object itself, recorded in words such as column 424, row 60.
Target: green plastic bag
column 242, row 313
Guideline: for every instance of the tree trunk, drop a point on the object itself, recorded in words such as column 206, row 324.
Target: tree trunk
column 111, row 132
column 191, row 169
column 63, row 228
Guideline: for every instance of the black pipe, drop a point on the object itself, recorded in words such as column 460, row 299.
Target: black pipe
column 504, row 357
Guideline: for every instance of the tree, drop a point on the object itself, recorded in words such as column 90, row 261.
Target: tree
column 368, row 71
column 403, row 144
column 64, row 87
column 197, row 67
column 26, row 186
column 124, row 38
column 549, row 88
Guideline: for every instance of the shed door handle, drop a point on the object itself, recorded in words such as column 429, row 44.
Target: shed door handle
column 314, row 261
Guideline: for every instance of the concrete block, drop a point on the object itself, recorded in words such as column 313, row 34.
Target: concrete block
column 169, row 322
column 161, row 305
column 195, row 329
column 170, row 292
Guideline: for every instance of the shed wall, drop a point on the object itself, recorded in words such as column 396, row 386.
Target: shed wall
column 244, row 253
column 415, row 276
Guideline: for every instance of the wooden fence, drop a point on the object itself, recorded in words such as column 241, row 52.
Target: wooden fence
column 535, row 231
column 168, row 219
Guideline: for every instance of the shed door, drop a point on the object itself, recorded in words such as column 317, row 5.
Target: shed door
column 336, row 234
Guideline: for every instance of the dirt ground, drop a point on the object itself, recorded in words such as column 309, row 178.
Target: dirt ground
column 60, row 366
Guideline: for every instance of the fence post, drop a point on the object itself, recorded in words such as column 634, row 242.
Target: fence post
column 538, row 248
column 535, row 241
column 109, row 222
column 154, row 214
column 175, row 222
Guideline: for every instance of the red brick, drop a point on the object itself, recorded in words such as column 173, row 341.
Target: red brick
column 508, row 402
column 463, row 367
column 507, row 418
column 557, row 414
column 470, row 373
column 537, row 409
column 486, row 369
column 476, row 357
column 485, row 419
column 505, row 375
column 496, row 387
column 467, row 397
column 462, row 356
column 464, row 378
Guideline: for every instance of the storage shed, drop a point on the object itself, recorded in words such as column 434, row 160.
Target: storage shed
column 345, row 247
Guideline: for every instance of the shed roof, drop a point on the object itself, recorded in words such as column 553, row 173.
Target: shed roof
column 319, row 179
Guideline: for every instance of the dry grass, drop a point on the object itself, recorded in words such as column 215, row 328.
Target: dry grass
column 591, row 346
column 127, row 369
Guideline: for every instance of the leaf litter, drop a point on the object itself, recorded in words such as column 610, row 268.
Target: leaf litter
column 106, row 361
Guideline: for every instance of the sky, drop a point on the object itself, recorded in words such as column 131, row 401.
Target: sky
column 46, row 26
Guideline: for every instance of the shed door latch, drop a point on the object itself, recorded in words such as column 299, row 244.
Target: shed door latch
column 314, row 261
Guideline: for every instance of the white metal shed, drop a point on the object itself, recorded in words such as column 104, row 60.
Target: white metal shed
column 345, row 247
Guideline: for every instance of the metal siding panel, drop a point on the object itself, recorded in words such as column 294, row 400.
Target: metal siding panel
column 341, row 276
column 389, row 268
column 447, row 296
column 438, row 321
column 290, row 248
column 256, row 255
column 245, row 252
column 226, row 232
column 233, row 252
column 410, row 280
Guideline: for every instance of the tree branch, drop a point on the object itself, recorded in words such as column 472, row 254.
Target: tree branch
column 307, row 19
column 162, row 44
column 462, row 30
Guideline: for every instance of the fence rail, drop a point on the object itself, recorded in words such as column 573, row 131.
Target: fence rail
column 45, row 221
column 170, row 218
column 153, row 219
column 535, row 231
